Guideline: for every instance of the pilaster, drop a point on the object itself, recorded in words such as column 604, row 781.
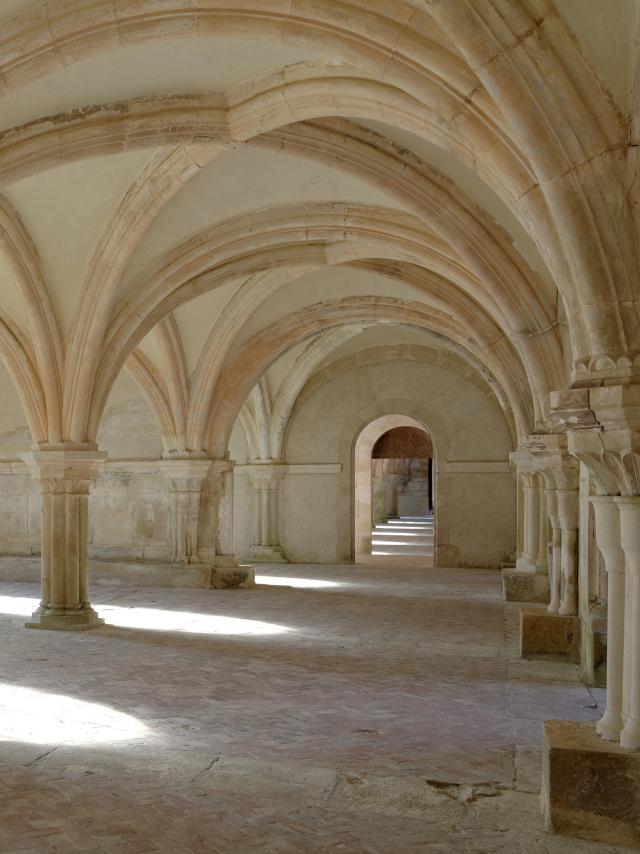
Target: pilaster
column 186, row 477
column 266, row 479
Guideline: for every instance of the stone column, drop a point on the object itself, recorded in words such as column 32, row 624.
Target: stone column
column 222, row 471
column 186, row 477
column 556, row 544
column 533, row 558
column 65, row 477
column 568, row 514
column 266, row 479
column 630, row 541
column 607, row 526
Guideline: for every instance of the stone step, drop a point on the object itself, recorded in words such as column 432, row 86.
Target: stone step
column 406, row 536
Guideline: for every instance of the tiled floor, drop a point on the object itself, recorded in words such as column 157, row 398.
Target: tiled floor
column 375, row 708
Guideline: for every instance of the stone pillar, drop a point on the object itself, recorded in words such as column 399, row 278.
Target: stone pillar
column 630, row 542
column 607, row 525
column 266, row 479
column 529, row 581
column 533, row 558
column 186, row 477
column 568, row 514
column 222, row 471
column 65, row 477
column 590, row 781
column 556, row 543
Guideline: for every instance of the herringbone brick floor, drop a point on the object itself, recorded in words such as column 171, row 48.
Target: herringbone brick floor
column 383, row 712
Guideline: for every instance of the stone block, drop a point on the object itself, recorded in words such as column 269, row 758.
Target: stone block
column 525, row 586
column 590, row 787
column 240, row 575
column 549, row 636
column 267, row 554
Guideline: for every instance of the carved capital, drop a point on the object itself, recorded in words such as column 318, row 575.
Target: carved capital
column 552, row 459
column 267, row 475
column 68, row 472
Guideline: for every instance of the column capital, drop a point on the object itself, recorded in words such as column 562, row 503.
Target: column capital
column 185, row 468
column 65, row 464
column 521, row 459
column 267, row 475
column 551, row 458
column 603, row 427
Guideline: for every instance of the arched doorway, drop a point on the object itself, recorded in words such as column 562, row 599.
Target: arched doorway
column 394, row 489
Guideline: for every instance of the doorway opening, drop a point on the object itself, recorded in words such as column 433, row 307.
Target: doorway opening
column 395, row 490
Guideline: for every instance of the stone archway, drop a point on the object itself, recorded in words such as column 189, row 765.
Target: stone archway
column 362, row 486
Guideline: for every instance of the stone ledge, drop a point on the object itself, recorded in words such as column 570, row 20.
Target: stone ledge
column 525, row 586
column 590, row 787
column 549, row 636
column 139, row 573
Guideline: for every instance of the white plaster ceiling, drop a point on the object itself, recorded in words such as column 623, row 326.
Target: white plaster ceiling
column 66, row 210
column 197, row 66
column 240, row 181
column 602, row 28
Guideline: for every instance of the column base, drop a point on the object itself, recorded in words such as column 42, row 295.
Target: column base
column 549, row 636
column 525, row 586
column 590, row 787
column 228, row 576
column 267, row 554
column 73, row 621
column 531, row 566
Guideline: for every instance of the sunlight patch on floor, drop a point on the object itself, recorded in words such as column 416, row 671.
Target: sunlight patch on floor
column 158, row 619
column 40, row 717
column 285, row 581
column 186, row 621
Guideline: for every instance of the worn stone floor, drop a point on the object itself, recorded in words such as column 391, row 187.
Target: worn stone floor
column 376, row 708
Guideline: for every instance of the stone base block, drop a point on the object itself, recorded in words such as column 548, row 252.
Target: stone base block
column 225, row 577
column 149, row 573
column 267, row 554
column 549, row 636
column 590, row 787
column 70, row 622
column 525, row 586
column 531, row 566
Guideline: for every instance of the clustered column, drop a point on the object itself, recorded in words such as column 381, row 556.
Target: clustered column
column 222, row 512
column 629, row 507
column 612, row 455
column 65, row 477
column 266, row 479
column 555, row 576
column 561, row 473
column 186, row 479
column 533, row 558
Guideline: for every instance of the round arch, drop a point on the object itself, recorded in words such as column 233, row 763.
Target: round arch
column 362, row 478
column 417, row 414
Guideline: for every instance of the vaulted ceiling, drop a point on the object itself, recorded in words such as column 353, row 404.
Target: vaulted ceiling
column 218, row 197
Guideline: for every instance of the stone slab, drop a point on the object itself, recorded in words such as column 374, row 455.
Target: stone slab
column 590, row 787
column 525, row 586
column 544, row 635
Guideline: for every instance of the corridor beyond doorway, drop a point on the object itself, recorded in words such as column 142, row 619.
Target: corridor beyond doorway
column 409, row 536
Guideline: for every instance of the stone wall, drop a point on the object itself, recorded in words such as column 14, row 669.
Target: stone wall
column 130, row 508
